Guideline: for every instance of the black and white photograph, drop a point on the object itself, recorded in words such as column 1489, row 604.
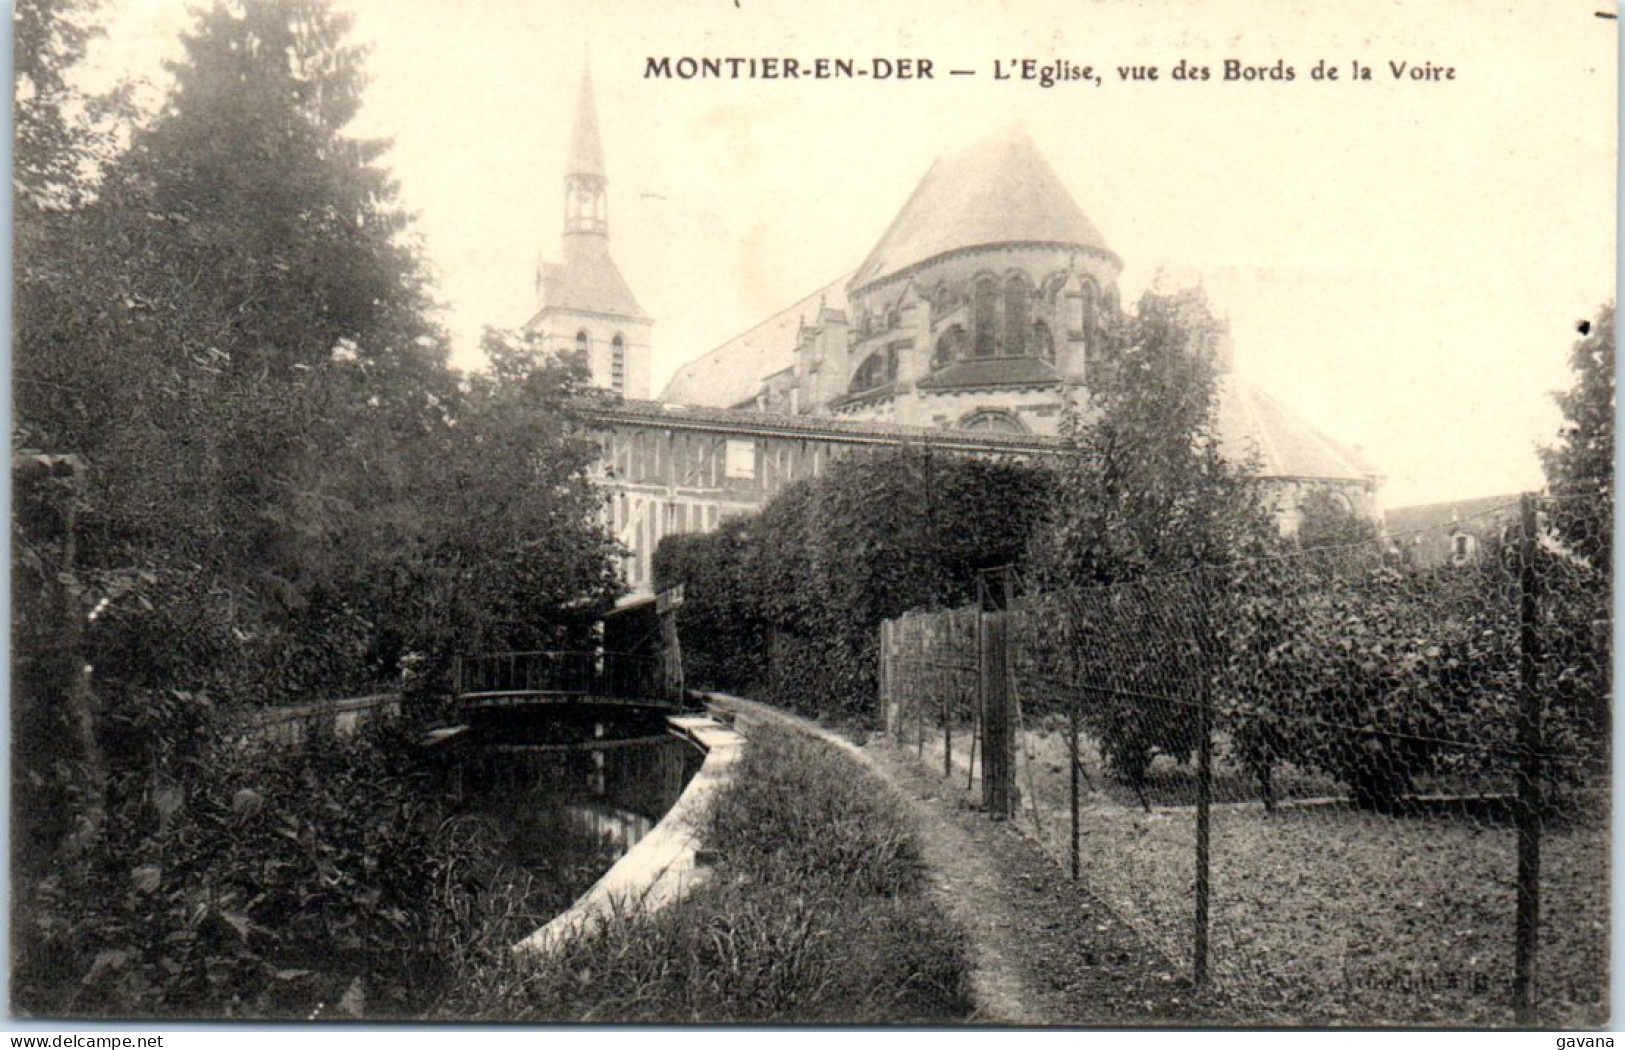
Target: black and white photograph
column 986, row 515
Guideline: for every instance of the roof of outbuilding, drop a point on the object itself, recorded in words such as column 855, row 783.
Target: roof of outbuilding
column 1435, row 517
column 999, row 191
column 1249, row 421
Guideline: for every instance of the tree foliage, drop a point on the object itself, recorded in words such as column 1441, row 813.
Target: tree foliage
column 54, row 138
column 486, row 532
column 236, row 334
column 1149, row 488
column 1580, row 467
column 222, row 318
column 217, row 329
column 723, row 634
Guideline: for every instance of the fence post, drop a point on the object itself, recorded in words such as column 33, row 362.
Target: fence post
column 885, row 675
column 975, row 725
column 924, row 678
column 1204, row 805
column 1529, row 771
column 1072, row 751
column 998, row 765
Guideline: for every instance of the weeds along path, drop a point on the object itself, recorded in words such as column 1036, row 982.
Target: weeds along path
column 1043, row 950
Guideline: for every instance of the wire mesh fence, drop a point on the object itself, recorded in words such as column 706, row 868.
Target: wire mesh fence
column 1346, row 784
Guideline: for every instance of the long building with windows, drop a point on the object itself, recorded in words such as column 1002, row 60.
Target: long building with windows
column 978, row 318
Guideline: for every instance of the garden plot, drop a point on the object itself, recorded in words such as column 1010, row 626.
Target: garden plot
column 1323, row 913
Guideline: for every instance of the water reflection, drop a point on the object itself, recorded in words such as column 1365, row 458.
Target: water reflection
column 571, row 794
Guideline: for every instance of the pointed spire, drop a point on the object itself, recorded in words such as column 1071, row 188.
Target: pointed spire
column 586, row 151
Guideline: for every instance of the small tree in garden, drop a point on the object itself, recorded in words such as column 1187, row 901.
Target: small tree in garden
column 1374, row 675
column 1147, row 492
column 1382, row 677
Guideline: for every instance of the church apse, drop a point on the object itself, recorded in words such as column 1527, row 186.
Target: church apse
column 978, row 319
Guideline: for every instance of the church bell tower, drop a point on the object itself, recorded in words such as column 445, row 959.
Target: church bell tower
column 584, row 306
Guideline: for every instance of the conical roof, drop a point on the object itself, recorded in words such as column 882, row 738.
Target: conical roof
column 586, row 151
column 999, row 191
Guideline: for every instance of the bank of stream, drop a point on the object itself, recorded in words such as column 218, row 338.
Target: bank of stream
column 817, row 909
column 569, row 793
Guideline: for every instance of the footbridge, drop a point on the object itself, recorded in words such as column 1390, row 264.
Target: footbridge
column 563, row 678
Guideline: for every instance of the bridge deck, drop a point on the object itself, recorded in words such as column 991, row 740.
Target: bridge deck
column 558, row 697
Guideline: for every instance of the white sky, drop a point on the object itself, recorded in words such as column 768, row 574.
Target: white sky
column 1402, row 263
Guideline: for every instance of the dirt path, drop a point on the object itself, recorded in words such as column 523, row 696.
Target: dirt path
column 1044, row 951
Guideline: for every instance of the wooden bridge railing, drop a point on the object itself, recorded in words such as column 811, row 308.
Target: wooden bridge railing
column 560, row 675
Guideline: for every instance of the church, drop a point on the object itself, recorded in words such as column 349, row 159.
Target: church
column 976, row 320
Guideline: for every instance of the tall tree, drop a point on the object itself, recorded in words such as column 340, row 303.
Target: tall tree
column 232, row 322
column 59, row 774
column 1580, row 467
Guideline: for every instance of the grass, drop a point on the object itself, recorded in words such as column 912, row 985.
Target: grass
column 815, row 912
column 1326, row 914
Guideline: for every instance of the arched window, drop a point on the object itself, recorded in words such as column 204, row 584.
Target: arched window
column 994, row 420
column 581, row 341
column 985, row 317
column 617, row 364
column 1043, row 344
column 1018, row 315
column 952, row 346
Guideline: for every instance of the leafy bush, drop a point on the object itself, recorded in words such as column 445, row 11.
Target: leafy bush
column 1382, row 676
column 722, row 632
column 798, row 592
column 243, row 885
